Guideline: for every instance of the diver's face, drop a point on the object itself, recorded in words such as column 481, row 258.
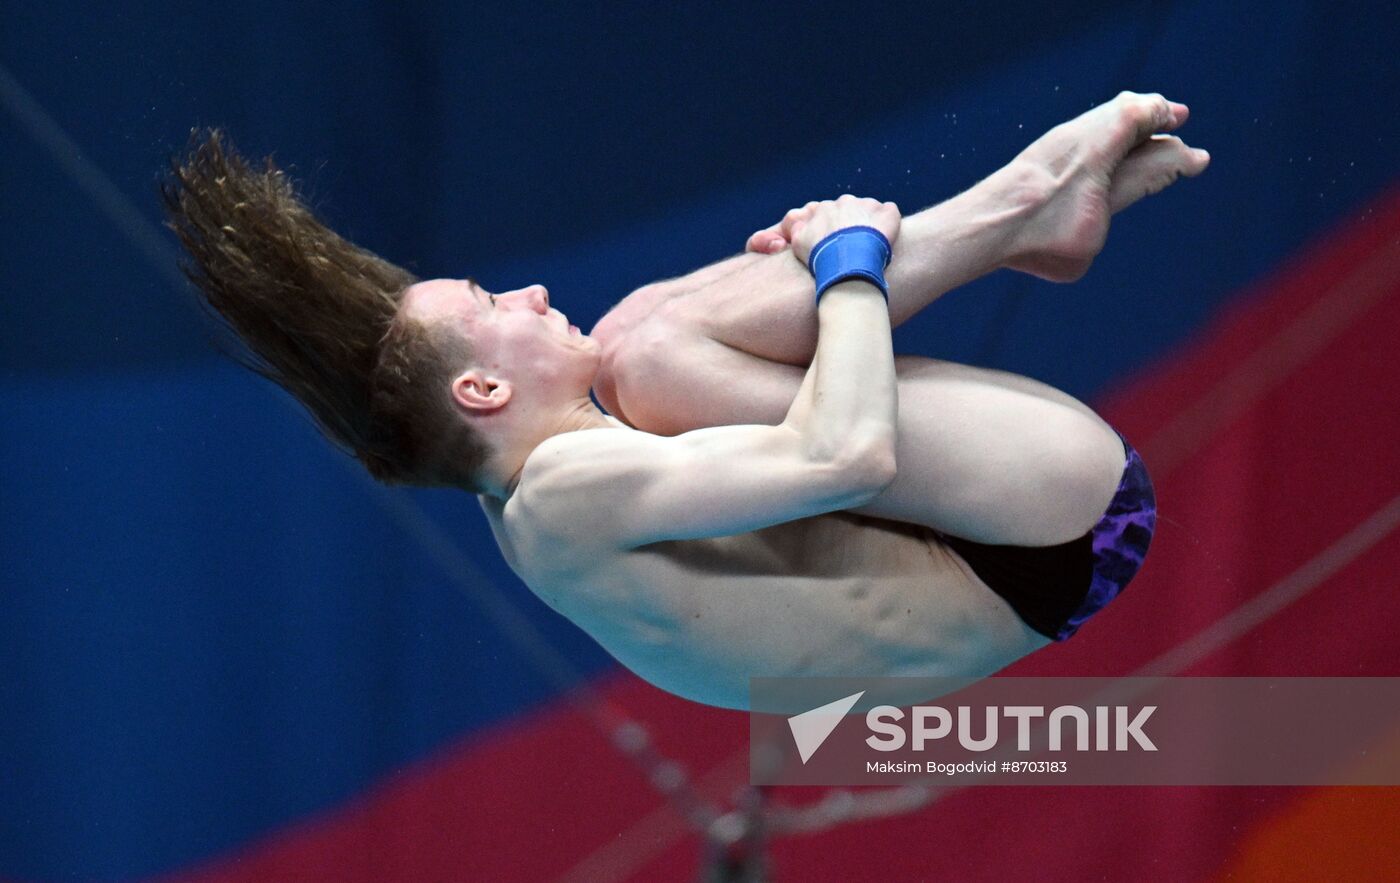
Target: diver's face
column 515, row 334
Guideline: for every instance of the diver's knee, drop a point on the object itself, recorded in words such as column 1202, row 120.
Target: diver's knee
column 615, row 330
column 650, row 346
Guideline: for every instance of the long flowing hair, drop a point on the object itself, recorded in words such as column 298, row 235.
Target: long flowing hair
column 320, row 316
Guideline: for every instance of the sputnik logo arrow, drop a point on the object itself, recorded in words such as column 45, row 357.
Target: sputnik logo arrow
column 810, row 728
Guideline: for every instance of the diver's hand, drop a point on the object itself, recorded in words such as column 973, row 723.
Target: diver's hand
column 812, row 223
column 769, row 240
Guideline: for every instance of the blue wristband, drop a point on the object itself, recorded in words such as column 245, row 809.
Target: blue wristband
column 851, row 253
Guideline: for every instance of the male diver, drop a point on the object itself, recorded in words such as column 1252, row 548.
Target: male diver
column 774, row 493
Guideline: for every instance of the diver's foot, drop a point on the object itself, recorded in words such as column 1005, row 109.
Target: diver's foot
column 1087, row 169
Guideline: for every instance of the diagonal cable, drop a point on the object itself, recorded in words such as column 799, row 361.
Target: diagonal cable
column 628, row 736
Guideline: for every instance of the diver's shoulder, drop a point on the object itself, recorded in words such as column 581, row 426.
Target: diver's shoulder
column 570, row 458
column 567, row 485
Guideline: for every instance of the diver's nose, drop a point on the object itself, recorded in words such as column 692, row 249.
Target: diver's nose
column 534, row 298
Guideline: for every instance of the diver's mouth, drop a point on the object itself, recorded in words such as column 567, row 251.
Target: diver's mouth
column 568, row 329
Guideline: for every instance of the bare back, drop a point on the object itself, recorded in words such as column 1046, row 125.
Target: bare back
column 837, row 594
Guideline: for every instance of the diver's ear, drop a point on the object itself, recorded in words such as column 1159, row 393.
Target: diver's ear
column 479, row 393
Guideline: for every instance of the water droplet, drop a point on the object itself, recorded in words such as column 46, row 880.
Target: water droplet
column 942, row 155
column 1020, row 125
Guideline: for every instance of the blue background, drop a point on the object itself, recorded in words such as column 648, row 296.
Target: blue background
column 210, row 623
